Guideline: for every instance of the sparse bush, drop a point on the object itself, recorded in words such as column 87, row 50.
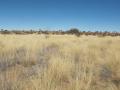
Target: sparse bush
column 73, row 31
column 5, row 32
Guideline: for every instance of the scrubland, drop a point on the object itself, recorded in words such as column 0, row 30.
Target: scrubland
column 59, row 62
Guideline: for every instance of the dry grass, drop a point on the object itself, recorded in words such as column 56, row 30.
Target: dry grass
column 59, row 62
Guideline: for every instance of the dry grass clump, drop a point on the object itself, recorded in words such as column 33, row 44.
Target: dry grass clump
column 59, row 62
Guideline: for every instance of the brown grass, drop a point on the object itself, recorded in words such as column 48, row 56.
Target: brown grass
column 59, row 62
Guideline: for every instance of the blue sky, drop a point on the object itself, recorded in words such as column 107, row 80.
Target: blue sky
column 86, row 15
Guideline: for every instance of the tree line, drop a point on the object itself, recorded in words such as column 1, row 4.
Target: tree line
column 73, row 31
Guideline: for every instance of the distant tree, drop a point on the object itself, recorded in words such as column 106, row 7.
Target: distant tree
column 31, row 31
column 73, row 31
column 2, row 29
column 5, row 32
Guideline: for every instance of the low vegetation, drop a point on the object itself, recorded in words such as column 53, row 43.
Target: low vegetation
column 72, row 31
column 59, row 62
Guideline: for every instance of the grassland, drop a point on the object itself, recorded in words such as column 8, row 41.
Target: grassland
column 59, row 62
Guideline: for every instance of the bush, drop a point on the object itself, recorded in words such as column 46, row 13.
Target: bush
column 74, row 31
